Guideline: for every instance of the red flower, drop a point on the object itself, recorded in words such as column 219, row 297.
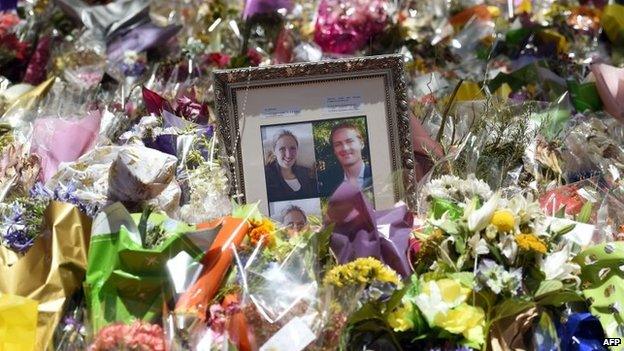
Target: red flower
column 567, row 196
column 218, row 59
column 17, row 48
column 254, row 57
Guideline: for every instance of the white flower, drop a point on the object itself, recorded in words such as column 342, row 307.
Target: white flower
column 457, row 189
column 557, row 266
column 479, row 219
column 208, row 194
column 478, row 245
column 508, row 247
column 526, row 209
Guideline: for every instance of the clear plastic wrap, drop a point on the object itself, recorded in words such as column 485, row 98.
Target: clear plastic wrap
column 280, row 295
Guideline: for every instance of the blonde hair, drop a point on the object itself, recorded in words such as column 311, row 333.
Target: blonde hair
column 280, row 134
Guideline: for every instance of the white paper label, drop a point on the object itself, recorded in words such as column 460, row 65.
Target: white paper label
column 343, row 103
column 294, row 336
column 281, row 111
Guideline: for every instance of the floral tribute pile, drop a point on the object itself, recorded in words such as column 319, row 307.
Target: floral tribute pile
column 119, row 229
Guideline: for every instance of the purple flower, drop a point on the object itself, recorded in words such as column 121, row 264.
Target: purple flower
column 17, row 239
column 133, row 69
column 63, row 193
column 39, row 191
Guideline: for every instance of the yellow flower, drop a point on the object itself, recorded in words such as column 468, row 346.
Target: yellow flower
column 452, row 292
column 401, row 318
column 530, row 242
column 464, row 319
column 361, row 271
column 503, row 220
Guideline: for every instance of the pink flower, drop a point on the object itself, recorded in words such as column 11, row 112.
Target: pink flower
column 7, row 21
column 189, row 108
column 345, row 26
column 217, row 318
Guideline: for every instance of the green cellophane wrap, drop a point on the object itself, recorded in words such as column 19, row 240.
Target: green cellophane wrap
column 126, row 281
column 603, row 285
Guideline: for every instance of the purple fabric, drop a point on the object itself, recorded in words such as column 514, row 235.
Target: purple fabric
column 258, row 7
column 164, row 143
column 139, row 39
column 8, row 5
column 359, row 230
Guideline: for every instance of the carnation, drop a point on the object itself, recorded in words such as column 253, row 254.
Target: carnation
column 137, row 336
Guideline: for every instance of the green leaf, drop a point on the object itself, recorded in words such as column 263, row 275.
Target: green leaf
column 395, row 300
column 147, row 211
column 547, row 287
column 442, row 206
column 465, row 278
column 561, row 212
column 246, row 211
column 485, row 299
column 449, row 227
column 511, row 307
column 460, row 244
column 534, row 277
column 559, row 298
column 585, row 215
column 366, row 312
column 320, row 242
column 496, row 253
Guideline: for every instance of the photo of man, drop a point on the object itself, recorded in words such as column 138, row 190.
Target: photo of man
column 346, row 157
column 293, row 215
column 294, row 218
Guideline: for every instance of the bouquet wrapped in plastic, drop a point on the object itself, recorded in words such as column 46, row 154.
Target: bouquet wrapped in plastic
column 126, row 276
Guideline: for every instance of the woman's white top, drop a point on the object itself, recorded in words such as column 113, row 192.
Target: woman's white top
column 293, row 184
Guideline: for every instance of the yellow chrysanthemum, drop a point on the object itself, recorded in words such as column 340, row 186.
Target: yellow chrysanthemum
column 401, row 318
column 464, row 319
column 504, row 220
column 360, row 272
column 264, row 229
column 530, row 242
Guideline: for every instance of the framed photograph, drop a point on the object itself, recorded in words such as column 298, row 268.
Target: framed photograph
column 296, row 132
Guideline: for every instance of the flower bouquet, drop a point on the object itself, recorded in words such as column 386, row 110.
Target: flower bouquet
column 502, row 249
column 44, row 257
